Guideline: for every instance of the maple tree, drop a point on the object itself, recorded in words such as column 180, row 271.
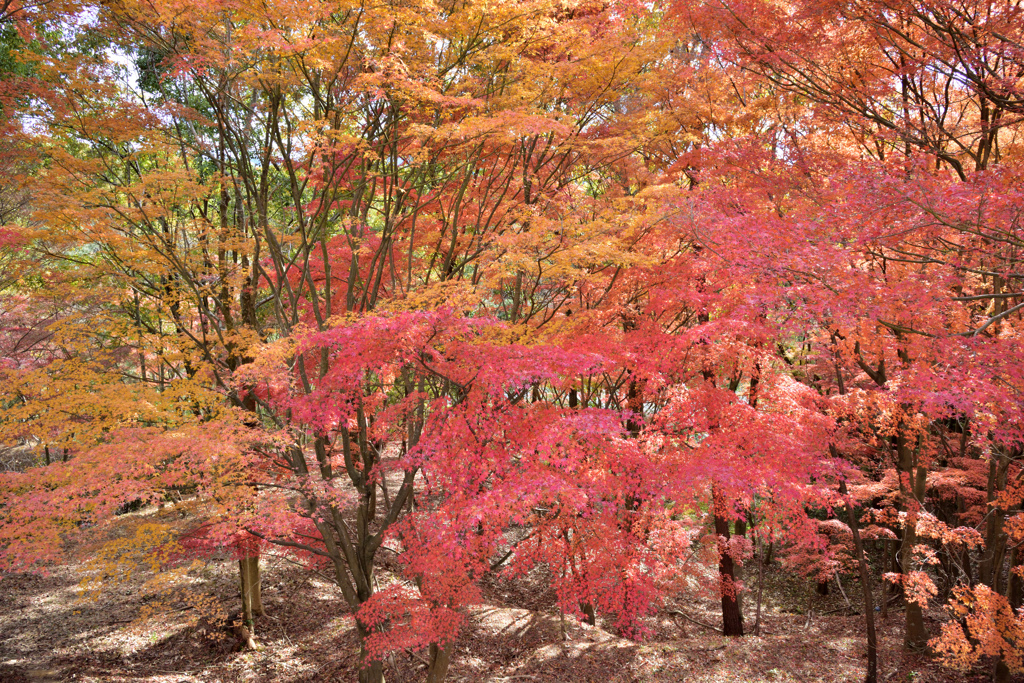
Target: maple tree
column 928, row 276
column 631, row 291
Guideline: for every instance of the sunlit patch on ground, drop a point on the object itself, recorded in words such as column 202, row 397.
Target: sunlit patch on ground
column 48, row 633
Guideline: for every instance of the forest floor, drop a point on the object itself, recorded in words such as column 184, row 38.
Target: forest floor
column 50, row 632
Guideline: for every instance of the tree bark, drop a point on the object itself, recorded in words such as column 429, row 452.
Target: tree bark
column 245, row 593
column 732, row 617
column 761, row 561
column 739, row 529
column 912, row 487
column 990, row 567
column 995, row 550
column 1015, row 588
column 370, row 670
column 589, row 617
column 249, row 575
column 865, row 581
column 888, row 559
column 252, row 599
column 373, row 673
column 440, row 659
column 1002, row 672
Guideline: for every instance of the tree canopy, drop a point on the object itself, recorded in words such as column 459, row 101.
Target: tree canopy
column 626, row 290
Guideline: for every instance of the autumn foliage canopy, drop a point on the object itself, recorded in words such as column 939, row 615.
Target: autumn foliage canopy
column 626, row 290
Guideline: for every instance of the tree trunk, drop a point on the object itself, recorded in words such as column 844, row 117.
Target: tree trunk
column 374, row 673
column 865, row 582
column 760, row 590
column 249, row 570
column 965, row 553
column 250, row 599
column 739, row 529
column 1015, row 588
column 916, row 635
column 370, row 671
column 991, row 565
column 634, row 392
column 912, row 488
column 888, row 560
column 1006, row 588
column 732, row 617
column 440, row 658
column 371, row 503
column 588, row 613
column 1001, row 673
column 242, row 632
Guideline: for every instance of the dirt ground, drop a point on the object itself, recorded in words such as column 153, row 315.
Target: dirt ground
column 50, row 632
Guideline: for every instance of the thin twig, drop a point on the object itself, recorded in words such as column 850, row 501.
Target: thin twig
column 842, row 592
column 677, row 613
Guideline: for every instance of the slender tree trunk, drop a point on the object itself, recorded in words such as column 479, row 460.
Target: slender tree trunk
column 589, row 617
column 985, row 566
column 889, row 560
column 249, row 568
column 739, row 529
column 634, row 392
column 965, row 553
column 760, row 588
column 990, row 568
column 246, row 593
column 916, row 635
column 995, row 550
column 251, row 604
column 371, row 505
column 1015, row 588
column 732, row 617
column 912, row 488
column 865, row 581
